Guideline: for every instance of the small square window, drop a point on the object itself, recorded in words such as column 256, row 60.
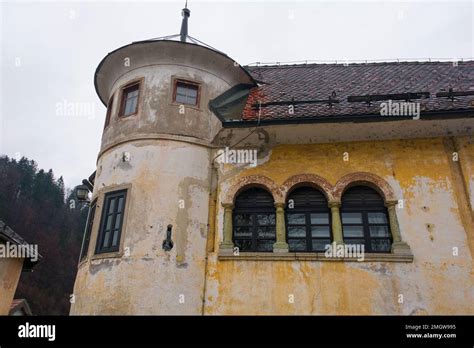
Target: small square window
column 186, row 93
column 319, row 218
column 297, row 244
column 351, row 218
column 129, row 103
column 377, row 218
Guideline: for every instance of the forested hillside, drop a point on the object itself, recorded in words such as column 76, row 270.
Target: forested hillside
column 34, row 204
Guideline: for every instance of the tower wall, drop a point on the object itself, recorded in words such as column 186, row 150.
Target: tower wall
column 167, row 176
column 168, row 183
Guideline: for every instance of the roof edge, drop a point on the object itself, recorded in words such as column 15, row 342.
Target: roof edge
column 358, row 118
column 158, row 41
column 342, row 62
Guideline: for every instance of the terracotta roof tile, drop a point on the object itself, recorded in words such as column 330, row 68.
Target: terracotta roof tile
column 318, row 81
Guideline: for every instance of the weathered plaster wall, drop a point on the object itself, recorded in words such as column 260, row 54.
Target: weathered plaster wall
column 437, row 282
column 465, row 147
column 168, row 179
column 157, row 113
column 170, row 165
column 168, row 183
column 10, row 271
column 158, row 64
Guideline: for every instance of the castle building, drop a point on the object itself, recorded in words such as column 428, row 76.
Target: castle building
column 279, row 189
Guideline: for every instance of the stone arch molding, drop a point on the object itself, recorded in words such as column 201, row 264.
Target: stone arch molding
column 312, row 180
column 332, row 193
column 369, row 179
column 253, row 181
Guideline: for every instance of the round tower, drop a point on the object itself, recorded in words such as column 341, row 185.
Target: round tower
column 144, row 249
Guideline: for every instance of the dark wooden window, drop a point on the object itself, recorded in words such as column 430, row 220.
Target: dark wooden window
column 365, row 219
column 111, row 222
column 88, row 231
column 129, row 102
column 308, row 220
column 254, row 227
column 109, row 111
column 186, row 92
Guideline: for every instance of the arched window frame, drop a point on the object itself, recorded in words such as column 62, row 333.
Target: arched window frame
column 366, row 209
column 310, row 221
column 400, row 249
column 256, row 216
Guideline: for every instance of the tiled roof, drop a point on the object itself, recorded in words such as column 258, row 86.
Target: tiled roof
column 318, row 81
column 10, row 236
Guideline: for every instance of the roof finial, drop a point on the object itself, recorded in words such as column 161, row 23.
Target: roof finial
column 186, row 13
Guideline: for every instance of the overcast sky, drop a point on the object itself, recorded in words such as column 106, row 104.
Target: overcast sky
column 50, row 50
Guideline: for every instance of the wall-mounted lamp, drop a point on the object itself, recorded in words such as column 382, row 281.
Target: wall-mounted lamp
column 168, row 243
column 82, row 193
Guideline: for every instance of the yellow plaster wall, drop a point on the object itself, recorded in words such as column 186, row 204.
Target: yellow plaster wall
column 436, row 282
column 10, row 271
column 465, row 147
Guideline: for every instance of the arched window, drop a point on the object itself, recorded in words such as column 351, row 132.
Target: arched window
column 365, row 220
column 254, row 221
column 308, row 220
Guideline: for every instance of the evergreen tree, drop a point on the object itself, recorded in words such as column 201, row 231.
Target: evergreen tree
column 33, row 204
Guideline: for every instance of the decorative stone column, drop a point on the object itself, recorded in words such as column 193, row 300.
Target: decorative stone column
column 227, row 241
column 398, row 246
column 336, row 222
column 281, row 246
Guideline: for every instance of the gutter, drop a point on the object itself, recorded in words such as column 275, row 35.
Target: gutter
column 432, row 115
